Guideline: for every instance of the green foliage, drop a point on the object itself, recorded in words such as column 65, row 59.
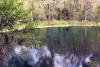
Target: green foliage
column 98, row 7
column 32, row 25
column 10, row 12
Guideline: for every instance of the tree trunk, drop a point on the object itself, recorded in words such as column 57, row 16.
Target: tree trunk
column 85, row 14
column 49, row 13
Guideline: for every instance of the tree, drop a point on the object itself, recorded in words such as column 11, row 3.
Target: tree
column 74, row 9
column 39, row 11
column 10, row 12
column 87, row 7
column 97, row 18
column 49, row 4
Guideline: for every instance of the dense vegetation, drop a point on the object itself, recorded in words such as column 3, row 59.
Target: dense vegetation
column 12, row 11
column 65, row 10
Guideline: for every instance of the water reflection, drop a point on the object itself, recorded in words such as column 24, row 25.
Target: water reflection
column 30, row 57
column 65, row 47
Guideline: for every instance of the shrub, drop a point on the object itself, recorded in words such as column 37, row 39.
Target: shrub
column 10, row 12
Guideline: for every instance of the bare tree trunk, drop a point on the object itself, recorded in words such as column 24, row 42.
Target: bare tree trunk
column 61, row 15
column 85, row 13
column 49, row 13
column 73, row 15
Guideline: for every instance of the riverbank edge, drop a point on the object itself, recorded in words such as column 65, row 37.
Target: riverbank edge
column 54, row 23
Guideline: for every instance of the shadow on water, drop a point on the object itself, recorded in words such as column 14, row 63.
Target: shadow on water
column 57, row 47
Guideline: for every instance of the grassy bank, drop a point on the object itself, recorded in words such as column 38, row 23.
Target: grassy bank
column 60, row 23
column 54, row 23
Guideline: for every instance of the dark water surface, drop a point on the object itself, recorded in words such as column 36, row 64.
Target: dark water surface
column 77, row 42
column 80, row 40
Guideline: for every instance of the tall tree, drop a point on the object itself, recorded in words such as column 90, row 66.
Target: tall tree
column 10, row 12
